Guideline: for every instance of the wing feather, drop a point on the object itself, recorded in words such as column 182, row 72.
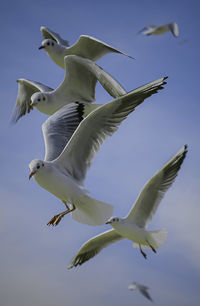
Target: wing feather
column 155, row 189
column 47, row 33
column 81, row 78
column 58, row 129
column 78, row 154
column 91, row 48
column 173, row 27
column 26, row 89
column 93, row 246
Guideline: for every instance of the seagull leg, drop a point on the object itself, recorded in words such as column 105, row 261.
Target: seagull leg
column 57, row 218
column 144, row 254
column 154, row 250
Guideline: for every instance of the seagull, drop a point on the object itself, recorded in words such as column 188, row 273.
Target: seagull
column 157, row 30
column 133, row 226
column 71, row 143
column 141, row 288
column 78, row 86
column 86, row 46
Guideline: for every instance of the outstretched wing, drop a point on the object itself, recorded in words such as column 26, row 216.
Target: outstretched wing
column 91, row 48
column 26, row 89
column 47, row 33
column 93, row 246
column 78, row 154
column 58, row 129
column 154, row 190
column 81, row 78
column 144, row 292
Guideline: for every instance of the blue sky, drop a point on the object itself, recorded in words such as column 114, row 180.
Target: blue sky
column 34, row 257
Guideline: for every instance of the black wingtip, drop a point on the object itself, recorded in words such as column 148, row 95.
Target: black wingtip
column 81, row 109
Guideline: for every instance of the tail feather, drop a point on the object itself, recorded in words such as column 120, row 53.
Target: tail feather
column 155, row 238
column 91, row 211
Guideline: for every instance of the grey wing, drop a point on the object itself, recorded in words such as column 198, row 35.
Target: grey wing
column 173, row 27
column 154, row 190
column 58, row 129
column 93, row 246
column 92, row 48
column 144, row 292
column 148, row 30
column 97, row 126
column 81, row 78
column 47, row 33
column 26, row 89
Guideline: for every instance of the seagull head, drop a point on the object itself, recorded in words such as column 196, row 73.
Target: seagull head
column 38, row 98
column 50, row 45
column 113, row 220
column 35, row 166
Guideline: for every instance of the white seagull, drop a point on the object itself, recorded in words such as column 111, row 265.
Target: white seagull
column 79, row 85
column 142, row 289
column 157, row 30
column 86, row 46
column 133, row 226
column 66, row 161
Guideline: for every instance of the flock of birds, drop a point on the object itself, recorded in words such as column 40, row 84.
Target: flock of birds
column 74, row 133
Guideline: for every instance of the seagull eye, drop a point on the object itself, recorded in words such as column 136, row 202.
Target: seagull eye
column 38, row 167
column 52, row 44
column 44, row 99
column 48, row 44
column 38, row 99
column 114, row 219
column 42, row 165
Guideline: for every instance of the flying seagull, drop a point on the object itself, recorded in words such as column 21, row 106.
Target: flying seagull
column 157, row 30
column 142, row 289
column 79, row 85
column 86, row 46
column 68, row 156
column 133, row 226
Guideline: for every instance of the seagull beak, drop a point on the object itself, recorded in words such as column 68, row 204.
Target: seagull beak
column 32, row 105
column 108, row 222
column 31, row 174
column 41, row 47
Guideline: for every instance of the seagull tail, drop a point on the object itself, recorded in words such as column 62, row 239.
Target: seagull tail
column 157, row 238
column 90, row 211
column 154, row 238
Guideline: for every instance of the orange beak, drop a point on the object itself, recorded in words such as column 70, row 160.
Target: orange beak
column 31, row 174
column 32, row 105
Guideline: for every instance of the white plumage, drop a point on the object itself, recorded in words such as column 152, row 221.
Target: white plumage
column 86, row 46
column 68, row 159
column 133, row 226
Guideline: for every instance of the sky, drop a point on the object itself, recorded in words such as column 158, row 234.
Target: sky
column 34, row 257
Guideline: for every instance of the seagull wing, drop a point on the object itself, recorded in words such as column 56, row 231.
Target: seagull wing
column 91, row 48
column 143, row 291
column 93, row 246
column 26, row 89
column 78, row 154
column 81, row 78
column 58, row 128
column 154, row 190
column 148, row 30
column 173, row 27
column 47, row 33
